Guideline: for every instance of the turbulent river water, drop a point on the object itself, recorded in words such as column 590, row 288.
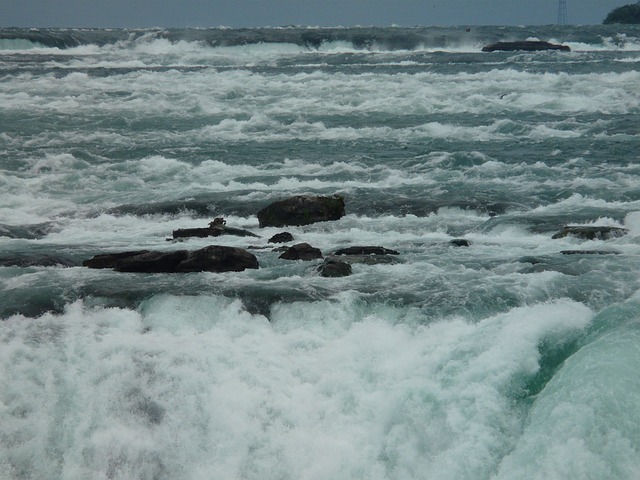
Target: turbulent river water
column 506, row 359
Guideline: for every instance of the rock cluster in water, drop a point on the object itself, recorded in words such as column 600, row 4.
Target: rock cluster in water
column 298, row 210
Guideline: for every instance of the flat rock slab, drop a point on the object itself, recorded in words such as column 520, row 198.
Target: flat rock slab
column 214, row 258
column 365, row 250
column 588, row 252
column 212, row 232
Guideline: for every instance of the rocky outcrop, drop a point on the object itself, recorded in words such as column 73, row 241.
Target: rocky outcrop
column 213, row 258
column 215, row 229
column 526, row 45
column 301, row 210
column 282, row 237
column 301, row 251
column 334, row 268
column 590, row 232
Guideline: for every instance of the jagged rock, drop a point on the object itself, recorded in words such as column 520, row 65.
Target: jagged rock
column 591, row 232
column 301, row 251
column 334, row 268
column 301, row 210
column 282, row 237
column 365, row 250
column 460, row 242
column 215, row 229
column 213, row 258
column 526, row 45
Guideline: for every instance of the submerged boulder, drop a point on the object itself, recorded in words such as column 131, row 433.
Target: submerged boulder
column 591, row 232
column 214, row 258
column 459, row 242
column 301, row 251
column 334, row 268
column 524, row 45
column 282, row 237
column 368, row 255
column 301, row 210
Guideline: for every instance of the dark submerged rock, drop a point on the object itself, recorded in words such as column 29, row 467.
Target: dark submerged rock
column 589, row 252
column 526, row 45
column 334, row 268
column 365, row 250
column 591, row 232
column 213, row 258
column 460, row 242
column 301, row 210
column 301, row 251
column 282, row 237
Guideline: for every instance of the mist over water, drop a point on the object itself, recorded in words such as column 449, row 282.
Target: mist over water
column 506, row 359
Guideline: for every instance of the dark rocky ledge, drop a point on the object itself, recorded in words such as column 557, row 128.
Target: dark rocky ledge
column 213, row 258
column 524, row 45
column 215, row 229
column 588, row 252
column 365, row 250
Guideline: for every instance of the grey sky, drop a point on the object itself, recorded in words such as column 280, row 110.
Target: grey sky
column 253, row 13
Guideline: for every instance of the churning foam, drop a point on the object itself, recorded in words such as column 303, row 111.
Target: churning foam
column 195, row 387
